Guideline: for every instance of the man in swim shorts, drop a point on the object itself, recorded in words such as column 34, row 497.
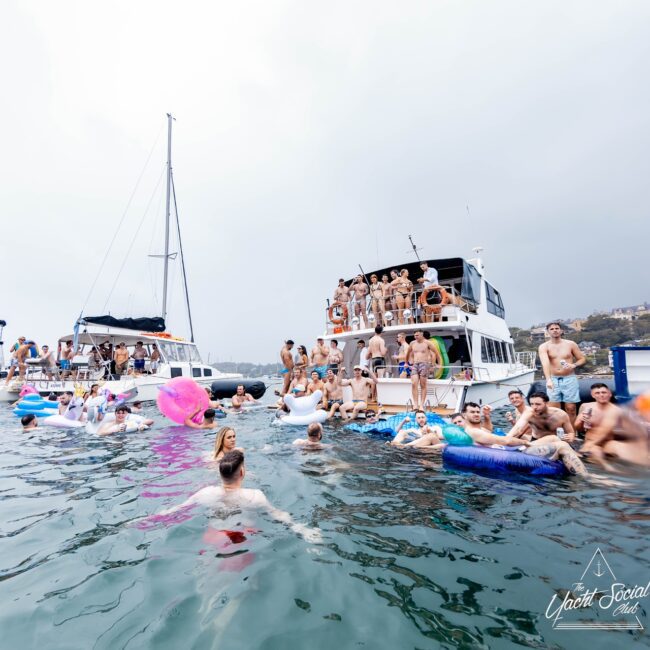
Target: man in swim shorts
column 319, row 357
column 335, row 357
column 550, row 447
column 121, row 358
column 422, row 435
column 360, row 389
column 359, row 298
column 559, row 359
column 342, row 293
column 332, row 393
column 154, row 360
column 139, row 355
column 232, row 471
column 421, row 358
column 287, row 361
column 378, row 352
column 65, row 360
column 404, row 368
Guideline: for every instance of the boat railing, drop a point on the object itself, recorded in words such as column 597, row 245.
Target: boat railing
column 526, row 358
column 368, row 313
column 457, row 371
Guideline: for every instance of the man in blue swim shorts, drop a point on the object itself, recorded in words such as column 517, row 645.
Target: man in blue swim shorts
column 139, row 355
column 287, row 361
column 319, row 357
column 560, row 358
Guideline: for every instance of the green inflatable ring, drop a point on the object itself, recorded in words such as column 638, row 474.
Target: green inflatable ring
column 442, row 373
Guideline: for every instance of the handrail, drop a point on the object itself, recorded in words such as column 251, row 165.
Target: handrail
column 375, row 311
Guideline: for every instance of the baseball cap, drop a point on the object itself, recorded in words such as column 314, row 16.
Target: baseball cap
column 358, row 367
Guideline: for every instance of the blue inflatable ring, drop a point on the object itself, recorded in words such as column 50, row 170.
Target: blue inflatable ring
column 499, row 460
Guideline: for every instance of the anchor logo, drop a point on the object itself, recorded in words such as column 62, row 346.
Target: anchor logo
column 598, row 571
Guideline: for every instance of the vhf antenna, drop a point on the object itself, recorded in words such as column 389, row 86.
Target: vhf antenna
column 414, row 247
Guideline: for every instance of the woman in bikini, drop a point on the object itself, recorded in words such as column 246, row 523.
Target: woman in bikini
column 377, row 303
column 403, row 288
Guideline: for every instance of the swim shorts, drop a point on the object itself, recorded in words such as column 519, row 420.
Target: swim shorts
column 565, row 389
column 284, row 371
column 405, row 367
column 334, row 367
column 421, row 369
column 138, row 364
column 321, row 370
column 378, row 362
column 334, row 401
column 65, row 364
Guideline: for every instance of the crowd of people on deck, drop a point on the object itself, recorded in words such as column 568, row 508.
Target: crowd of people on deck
column 371, row 299
column 114, row 360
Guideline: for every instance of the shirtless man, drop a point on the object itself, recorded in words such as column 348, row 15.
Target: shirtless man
column 287, row 361
column 241, row 397
column 70, row 407
column 154, row 360
column 421, row 358
column 548, row 446
column 65, row 360
column 437, row 359
column 359, row 294
column 139, row 355
column 335, row 357
column 360, row 386
column 121, row 358
column 458, row 420
column 207, row 423
column 316, row 383
column 29, row 422
column 18, row 360
column 378, row 352
column 559, row 359
column 231, row 492
column 404, row 369
column 424, row 435
column 610, row 431
column 544, row 420
column 298, row 377
column 48, row 362
column 319, row 357
column 332, row 393
column 342, row 293
column 516, row 398
column 314, row 437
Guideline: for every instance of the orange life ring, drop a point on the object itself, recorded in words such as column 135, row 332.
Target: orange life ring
column 344, row 313
column 437, row 308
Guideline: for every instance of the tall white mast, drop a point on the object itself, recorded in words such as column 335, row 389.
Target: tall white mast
column 167, row 213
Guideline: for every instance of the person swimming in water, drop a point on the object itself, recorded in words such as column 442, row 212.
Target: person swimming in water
column 225, row 441
column 207, row 422
column 314, row 437
column 232, row 470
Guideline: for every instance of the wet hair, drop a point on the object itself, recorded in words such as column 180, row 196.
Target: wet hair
column 209, row 414
column 242, row 385
column 219, row 440
column 27, row 419
column 335, row 341
column 554, row 323
column 68, row 392
column 599, row 385
column 315, row 429
column 229, row 465
column 51, row 397
column 378, row 329
column 469, row 405
column 515, row 391
column 453, row 416
column 540, row 394
column 122, row 408
column 421, row 411
column 370, row 413
column 289, row 342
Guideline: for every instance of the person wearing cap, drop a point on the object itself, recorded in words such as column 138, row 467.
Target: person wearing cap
column 18, row 360
column 360, row 387
column 319, row 357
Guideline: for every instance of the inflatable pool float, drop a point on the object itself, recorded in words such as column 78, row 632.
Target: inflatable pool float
column 388, row 427
column 226, row 388
column 96, row 407
column 443, row 371
column 499, row 460
column 180, row 398
column 62, row 422
column 34, row 404
column 303, row 410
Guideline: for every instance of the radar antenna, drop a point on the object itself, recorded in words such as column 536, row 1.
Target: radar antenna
column 414, row 247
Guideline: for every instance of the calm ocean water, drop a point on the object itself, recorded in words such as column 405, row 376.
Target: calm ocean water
column 413, row 555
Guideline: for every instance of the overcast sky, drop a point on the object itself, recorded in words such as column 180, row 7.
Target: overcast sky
column 313, row 137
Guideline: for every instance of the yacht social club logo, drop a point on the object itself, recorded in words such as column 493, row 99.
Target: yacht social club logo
column 598, row 601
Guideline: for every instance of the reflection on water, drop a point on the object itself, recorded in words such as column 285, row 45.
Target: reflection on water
column 414, row 555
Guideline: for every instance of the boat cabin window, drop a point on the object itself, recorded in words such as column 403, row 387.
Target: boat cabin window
column 494, row 302
column 176, row 371
column 493, row 351
column 196, row 372
column 207, row 372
